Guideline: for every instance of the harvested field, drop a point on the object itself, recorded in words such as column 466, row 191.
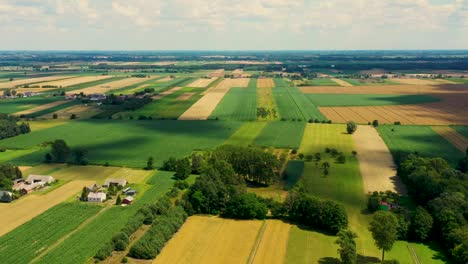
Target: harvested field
column 445, row 112
column 107, row 87
column 341, row 82
column 202, row 82
column 73, row 81
column 387, row 89
column 217, row 73
column 265, row 83
column 211, row 240
column 452, row 136
column 24, row 209
column 81, row 111
column 273, row 243
column 40, row 108
column 15, row 83
column 375, row 162
column 165, row 79
column 237, row 72
column 184, row 97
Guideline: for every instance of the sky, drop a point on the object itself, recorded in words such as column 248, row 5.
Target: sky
column 233, row 24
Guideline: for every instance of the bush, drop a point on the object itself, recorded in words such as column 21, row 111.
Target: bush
column 341, row 159
column 182, row 185
column 54, row 116
column 120, row 241
column 104, row 252
column 375, row 123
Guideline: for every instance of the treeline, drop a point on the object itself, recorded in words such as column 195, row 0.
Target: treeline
column 442, row 191
column 60, row 152
column 10, row 128
column 8, row 173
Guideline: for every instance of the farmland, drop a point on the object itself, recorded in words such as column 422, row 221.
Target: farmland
column 360, row 82
column 106, row 141
column 20, row 82
column 246, row 134
column 279, row 134
column 451, row 135
column 238, row 104
column 10, row 106
column 110, row 86
column 368, row 99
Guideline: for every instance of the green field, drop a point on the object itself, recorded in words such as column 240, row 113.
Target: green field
column 238, row 104
column 10, row 106
column 365, row 82
column 292, row 104
column 462, row 130
column 320, row 82
column 368, row 99
column 294, row 170
column 458, row 80
column 420, row 139
column 281, row 134
column 167, row 107
column 83, row 245
column 127, row 143
column 30, row 239
column 246, row 134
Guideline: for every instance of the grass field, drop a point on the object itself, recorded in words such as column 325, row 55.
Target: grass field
column 127, row 143
column 320, row 82
column 293, row 104
column 368, row 99
column 459, row 80
column 32, row 238
column 359, row 82
column 238, row 104
column 9, row 106
column 294, row 170
column 246, row 134
column 280, row 134
column 463, row 130
column 82, row 245
column 420, row 139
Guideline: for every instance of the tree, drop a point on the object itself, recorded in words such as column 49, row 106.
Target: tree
column 79, row 155
column 421, row 223
column 326, row 167
column 47, row 158
column 183, row 169
column 84, row 194
column 351, row 127
column 149, row 164
column 73, row 116
column 118, row 200
column 384, row 230
column 60, row 151
column 54, row 116
column 375, row 123
column 347, row 245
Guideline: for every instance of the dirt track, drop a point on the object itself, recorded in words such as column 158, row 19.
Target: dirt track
column 375, row 162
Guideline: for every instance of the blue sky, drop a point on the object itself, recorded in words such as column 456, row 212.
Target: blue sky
column 233, row 24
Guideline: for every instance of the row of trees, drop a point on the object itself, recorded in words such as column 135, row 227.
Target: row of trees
column 10, row 128
column 442, row 191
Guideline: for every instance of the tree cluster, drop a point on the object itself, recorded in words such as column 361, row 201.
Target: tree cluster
column 10, row 128
column 60, row 152
column 8, row 173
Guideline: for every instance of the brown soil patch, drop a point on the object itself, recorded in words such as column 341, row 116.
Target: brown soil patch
column 30, row 206
column 452, row 136
column 73, row 81
column 205, row 239
column 341, row 82
column 375, row 162
column 185, row 96
column 15, row 83
column 265, row 83
column 107, row 87
column 39, row 108
column 202, row 82
column 445, row 112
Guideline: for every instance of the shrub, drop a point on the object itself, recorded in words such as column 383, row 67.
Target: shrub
column 104, row 252
column 375, row 123
column 54, row 116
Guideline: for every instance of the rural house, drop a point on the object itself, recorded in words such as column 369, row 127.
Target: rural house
column 115, row 182
column 128, row 200
column 97, row 197
column 6, row 196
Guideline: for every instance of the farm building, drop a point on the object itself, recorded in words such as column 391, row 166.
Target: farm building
column 93, row 188
column 6, row 196
column 115, row 182
column 128, row 200
column 97, row 197
column 25, row 187
column 97, row 97
column 40, row 178
column 129, row 191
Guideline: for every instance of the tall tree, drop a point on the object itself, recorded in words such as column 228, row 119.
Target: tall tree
column 347, row 245
column 60, row 151
column 421, row 223
column 351, row 127
column 384, row 230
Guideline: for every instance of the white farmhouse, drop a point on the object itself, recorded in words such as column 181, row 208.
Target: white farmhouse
column 96, row 197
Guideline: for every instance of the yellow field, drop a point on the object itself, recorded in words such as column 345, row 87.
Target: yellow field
column 39, row 108
column 42, row 124
column 202, row 82
column 273, row 243
column 14, row 83
column 265, row 83
column 341, row 82
column 73, row 81
column 107, row 87
column 81, row 111
column 216, row 73
column 30, row 206
column 265, row 100
column 207, row 240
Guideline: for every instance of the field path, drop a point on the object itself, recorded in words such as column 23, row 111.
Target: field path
column 341, row 82
column 30, row 206
column 452, row 136
column 59, row 241
column 375, row 162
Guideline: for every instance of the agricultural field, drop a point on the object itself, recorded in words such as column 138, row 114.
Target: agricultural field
column 81, row 111
column 10, row 106
column 202, row 82
column 71, row 81
column 265, row 83
column 463, row 130
column 281, row 134
column 238, row 104
column 110, row 86
column 127, row 143
column 420, row 139
column 451, row 135
column 320, row 82
column 459, row 80
column 16, row 83
column 361, row 82
column 266, row 101
column 368, row 99
column 246, row 134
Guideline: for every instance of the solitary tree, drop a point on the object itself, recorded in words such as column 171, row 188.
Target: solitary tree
column 149, row 164
column 326, row 168
column 375, row 123
column 347, row 245
column 384, row 230
column 60, row 151
column 351, row 127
